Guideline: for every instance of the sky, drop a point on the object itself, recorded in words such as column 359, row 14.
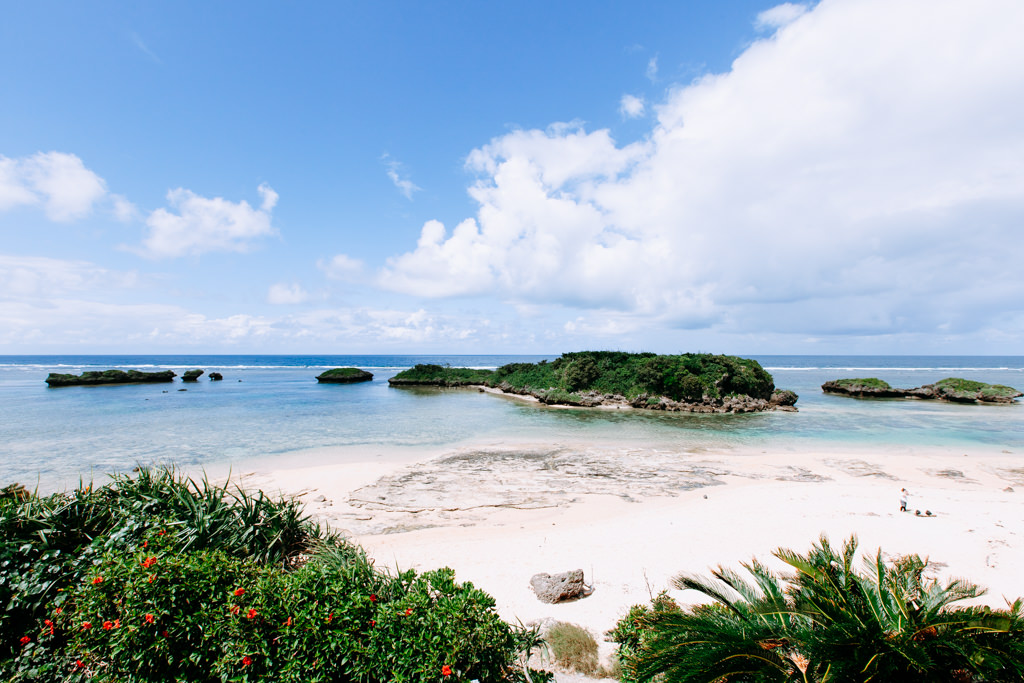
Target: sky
column 839, row 177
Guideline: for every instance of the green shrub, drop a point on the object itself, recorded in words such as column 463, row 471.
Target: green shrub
column 155, row 578
column 826, row 622
column 573, row 648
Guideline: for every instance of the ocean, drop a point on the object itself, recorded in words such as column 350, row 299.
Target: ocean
column 272, row 407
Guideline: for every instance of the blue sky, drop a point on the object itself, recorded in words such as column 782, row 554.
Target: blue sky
column 493, row 177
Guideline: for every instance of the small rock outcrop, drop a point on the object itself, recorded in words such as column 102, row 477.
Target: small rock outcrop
column 216, row 376
column 560, row 587
column 952, row 389
column 191, row 375
column 783, row 399
column 95, row 377
column 344, row 376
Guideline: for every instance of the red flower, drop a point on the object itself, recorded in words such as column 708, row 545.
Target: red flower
column 446, row 670
column 234, row 609
column 149, row 618
column 149, row 562
column 408, row 611
column 246, row 660
column 162, row 532
column 330, row 617
column 145, row 544
column 86, row 625
column 239, row 592
column 78, row 664
column 373, row 622
column 288, row 621
column 251, row 614
column 25, row 640
column 107, row 626
column 98, row 580
column 58, row 610
column 151, row 577
column 373, row 597
column 47, row 622
column 117, row 623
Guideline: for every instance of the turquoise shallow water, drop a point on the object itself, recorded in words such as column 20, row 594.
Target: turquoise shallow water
column 271, row 406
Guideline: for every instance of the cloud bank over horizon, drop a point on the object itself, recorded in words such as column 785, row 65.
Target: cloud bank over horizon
column 858, row 172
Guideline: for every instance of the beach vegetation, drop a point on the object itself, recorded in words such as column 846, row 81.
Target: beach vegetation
column 157, row 577
column 573, row 648
column 825, row 621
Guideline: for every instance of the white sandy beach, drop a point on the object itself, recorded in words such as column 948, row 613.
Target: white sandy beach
column 629, row 518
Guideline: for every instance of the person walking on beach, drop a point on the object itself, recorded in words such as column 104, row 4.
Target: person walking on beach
column 904, row 495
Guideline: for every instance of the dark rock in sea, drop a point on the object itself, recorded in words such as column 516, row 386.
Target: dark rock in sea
column 95, row 377
column 952, row 389
column 862, row 388
column 344, row 376
column 216, row 376
column 783, row 398
column 691, row 383
column 560, row 587
column 191, row 375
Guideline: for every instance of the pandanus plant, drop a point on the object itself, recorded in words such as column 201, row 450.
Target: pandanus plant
column 826, row 621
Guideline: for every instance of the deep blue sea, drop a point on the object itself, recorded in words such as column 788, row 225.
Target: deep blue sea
column 272, row 407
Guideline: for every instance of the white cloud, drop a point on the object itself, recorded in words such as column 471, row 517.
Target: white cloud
column 818, row 187
column 404, row 184
column 779, row 16
column 652, row 69
column 341, row 267
column 283, row 293
column 204, row 225
column 631, row 107
column 38, row 278
column 123, row 209
column 59, row 182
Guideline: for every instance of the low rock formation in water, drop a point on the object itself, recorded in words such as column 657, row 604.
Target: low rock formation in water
column 191, row 375
column 692, row 382
column 216, row 376
column 344, row 376
column 94, row 377
column 951, row 389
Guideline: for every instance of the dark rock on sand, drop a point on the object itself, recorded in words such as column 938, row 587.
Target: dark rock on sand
column 344, row 376
column 560, row 587
column 95, row 377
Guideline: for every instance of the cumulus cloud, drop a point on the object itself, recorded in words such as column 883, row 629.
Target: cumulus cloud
column 59, row 182
column 197, row 225
column 631, row 107
column 285, row 293
column 341, row 267
column 817, row 187
column 779, row 16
